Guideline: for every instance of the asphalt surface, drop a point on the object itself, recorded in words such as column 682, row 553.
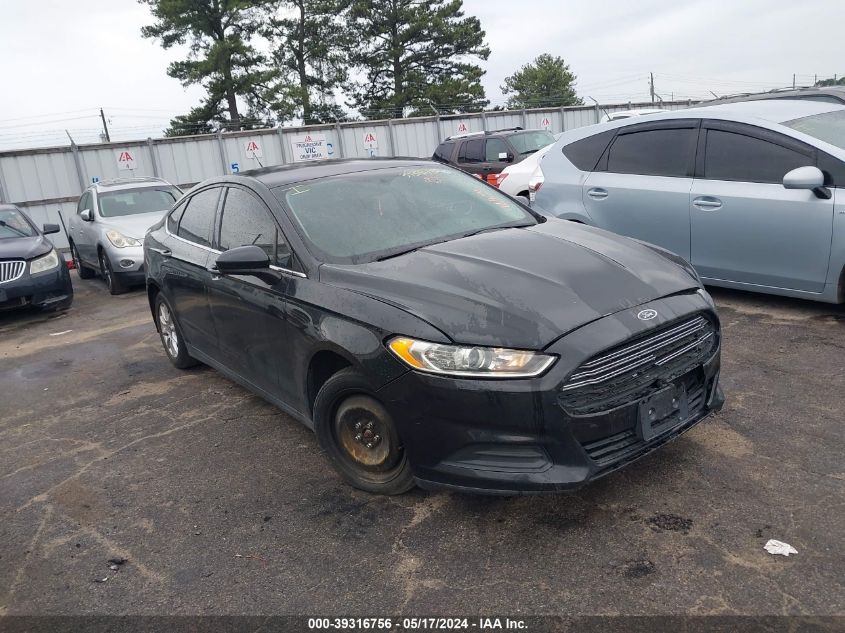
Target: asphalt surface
column 221, row 504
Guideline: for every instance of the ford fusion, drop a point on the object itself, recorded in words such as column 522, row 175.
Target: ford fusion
column 432, row 330
column 32, row 273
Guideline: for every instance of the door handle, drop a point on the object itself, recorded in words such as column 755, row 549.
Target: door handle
column 707, row 203
column 166, row 252
column 597, row 193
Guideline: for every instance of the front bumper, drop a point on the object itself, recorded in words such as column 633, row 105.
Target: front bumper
column 507, row 436
column 127, row 262
column 51, row 289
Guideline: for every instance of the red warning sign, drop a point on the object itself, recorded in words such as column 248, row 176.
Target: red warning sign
column 125, row 160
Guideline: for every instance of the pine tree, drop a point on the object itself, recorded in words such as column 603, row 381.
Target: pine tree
column 416, row 56
column 547, row 81
column 308, row 39
column 221, row 56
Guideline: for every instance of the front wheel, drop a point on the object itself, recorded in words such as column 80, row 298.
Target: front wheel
column 171, row 335
column 113, row 282
column 359, row 436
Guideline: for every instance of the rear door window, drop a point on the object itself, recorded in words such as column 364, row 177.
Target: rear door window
column 495, row 146
column 737, row 157
column 198, row 218
column 656, row 152
column 472, row 151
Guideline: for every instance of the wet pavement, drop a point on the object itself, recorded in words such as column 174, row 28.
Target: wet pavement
column 221, row 504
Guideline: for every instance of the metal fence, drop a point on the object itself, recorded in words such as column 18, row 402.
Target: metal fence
column 45, row 181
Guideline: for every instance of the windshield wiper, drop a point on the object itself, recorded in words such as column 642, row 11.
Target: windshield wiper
column 12, row 228
column 398, row 253
column 530, row 151
column 497, row 228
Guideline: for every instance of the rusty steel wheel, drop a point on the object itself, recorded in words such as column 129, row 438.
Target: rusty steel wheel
column 359, row 436
column 365, row 432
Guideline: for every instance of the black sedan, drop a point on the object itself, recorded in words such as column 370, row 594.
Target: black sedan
column 32, row 273
column 432, row 330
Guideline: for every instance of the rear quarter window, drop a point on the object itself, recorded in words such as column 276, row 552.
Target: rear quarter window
column 585, row 153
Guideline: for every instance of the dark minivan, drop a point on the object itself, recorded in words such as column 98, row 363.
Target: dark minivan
column 432, row 330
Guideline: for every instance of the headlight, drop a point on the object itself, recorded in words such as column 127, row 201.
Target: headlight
column 120, row 240
column 44, row 263
column 476, row 362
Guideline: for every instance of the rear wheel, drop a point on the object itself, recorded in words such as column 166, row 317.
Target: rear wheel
column 171, row 335
column 113, row 282
column 82, row 269
column 359, row 436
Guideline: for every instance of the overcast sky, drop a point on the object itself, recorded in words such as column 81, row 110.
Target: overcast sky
column 64, row 59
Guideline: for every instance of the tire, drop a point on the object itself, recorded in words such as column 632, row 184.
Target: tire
column 113, row 282
column 359, row 436
column 171, row 335
column 524, row 200
column 82, row 269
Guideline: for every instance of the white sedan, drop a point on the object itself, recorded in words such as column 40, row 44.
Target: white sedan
column 516, row 179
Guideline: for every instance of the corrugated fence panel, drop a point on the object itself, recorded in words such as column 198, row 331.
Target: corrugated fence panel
column 252, row 150
column 102, row 163
column 415, row 137
column 46, row 180
column 39, row 175
column 190, row 161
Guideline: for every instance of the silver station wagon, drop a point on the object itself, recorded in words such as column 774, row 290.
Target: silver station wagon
column 752, row 193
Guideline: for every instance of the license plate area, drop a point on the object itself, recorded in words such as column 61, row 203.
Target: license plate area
column 662, row 411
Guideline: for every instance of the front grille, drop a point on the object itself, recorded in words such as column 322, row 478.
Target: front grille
column 627, row 445
column 9, row 271
column 628, row 372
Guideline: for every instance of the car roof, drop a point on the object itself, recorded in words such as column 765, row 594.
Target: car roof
column 287, row 174
column 8, row 207
column 772, row 110
column 128, row 183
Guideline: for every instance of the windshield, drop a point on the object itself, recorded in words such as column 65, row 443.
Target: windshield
column 13, row 223
column 133, row 201
column 370, row 215
column 530, row 142
column 828, row 127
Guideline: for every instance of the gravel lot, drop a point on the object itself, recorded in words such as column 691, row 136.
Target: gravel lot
column 223, row 505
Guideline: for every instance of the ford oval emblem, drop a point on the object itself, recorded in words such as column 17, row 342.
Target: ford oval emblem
column 646, row 315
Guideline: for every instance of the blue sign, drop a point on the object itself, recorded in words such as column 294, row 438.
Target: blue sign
column 236, row 167
column 95, row 179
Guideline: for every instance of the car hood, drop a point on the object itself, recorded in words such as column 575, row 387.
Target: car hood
column 521, row 287
column 134, row 225
column 24, row 247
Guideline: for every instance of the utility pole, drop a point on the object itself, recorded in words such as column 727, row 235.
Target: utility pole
column 793, row 81
column 105, row 127
column 651, row 85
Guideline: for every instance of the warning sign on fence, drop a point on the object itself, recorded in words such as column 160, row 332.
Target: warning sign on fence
column 370, row 140
column 253, row 149
column 125, row 160
column 309, row 147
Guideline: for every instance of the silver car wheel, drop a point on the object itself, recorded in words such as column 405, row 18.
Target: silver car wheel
column 168, row 331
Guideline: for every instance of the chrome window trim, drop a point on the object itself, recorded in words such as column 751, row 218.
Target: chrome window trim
column 279, row 269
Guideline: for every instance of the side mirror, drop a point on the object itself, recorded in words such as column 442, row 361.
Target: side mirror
column 50, row 228
column 808, row 177
column 87, row 215
column 247, row 260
